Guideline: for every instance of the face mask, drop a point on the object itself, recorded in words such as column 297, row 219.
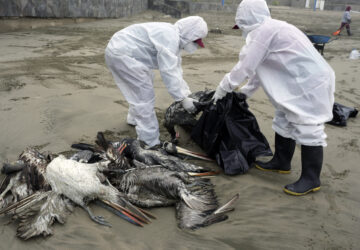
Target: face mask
column 190, row 47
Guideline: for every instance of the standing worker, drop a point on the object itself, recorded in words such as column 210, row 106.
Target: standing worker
column 299, row 83
column 132, row 54
column 346, row 20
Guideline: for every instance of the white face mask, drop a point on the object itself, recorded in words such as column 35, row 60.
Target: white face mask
column 190, row 47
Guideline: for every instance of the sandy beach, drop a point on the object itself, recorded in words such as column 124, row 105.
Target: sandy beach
column 55, row 90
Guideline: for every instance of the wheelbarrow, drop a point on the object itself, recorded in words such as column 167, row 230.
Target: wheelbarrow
column 319, row 41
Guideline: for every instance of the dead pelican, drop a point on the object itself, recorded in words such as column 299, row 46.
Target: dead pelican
column 26, row 197
column 52, row 188
column 155, row 186
column 81, row 183
column 175, row 114
column 148, row 184
column 24, row 176
column 135, row 150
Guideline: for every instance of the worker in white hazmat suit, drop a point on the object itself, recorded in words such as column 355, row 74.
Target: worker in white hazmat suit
column 299, row 83
column 133, row 53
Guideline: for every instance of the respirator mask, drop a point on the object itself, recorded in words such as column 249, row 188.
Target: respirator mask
column 190, row 47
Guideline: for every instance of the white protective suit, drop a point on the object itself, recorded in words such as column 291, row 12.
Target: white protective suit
column 132, row 54
column 296, row 78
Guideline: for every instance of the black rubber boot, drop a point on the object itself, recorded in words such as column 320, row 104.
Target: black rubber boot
column 348, row 32
column 311, row 162
column 284, row 151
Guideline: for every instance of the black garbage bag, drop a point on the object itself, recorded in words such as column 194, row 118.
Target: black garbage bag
column 341, row 114
column 229, row 132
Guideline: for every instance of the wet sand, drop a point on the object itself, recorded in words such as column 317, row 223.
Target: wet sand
column 55, row 90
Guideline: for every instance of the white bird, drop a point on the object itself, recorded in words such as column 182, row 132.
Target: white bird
column 63, row 183
column 81, row 183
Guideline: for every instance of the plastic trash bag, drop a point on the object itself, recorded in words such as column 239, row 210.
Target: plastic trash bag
column 229, row 132
column 341, row 113
column 354, row 54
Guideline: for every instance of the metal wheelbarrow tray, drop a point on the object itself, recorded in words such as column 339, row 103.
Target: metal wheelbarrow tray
column 319, row 42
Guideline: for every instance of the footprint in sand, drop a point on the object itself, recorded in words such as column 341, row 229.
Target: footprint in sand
column 352, row 145
column 341, row 82
column 220, row 71
column 9, row 84
column 19, row 98
column 337, row 175
column 122, row 103
column 330, row 198
column 48, row 120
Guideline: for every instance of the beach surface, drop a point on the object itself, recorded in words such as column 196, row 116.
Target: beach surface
column 55, row 90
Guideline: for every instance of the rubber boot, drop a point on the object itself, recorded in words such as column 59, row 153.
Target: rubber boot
column 311, row 162
column 281, row 161
column 348, row 32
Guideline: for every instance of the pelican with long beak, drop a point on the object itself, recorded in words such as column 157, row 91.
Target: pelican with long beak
column 82, row 182
column 39, row 190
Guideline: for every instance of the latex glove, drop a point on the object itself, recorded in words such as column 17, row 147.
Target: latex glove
column 188, row 104
column 220, row 93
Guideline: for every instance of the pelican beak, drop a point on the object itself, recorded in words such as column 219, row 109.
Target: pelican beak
column 122, row 147
column 204, row 174
column 192, row 154
column 131, row 210
column 119, row 213
column 148, row 213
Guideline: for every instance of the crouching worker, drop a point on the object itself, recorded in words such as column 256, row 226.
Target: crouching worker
column 132, row 54
column 297, row 80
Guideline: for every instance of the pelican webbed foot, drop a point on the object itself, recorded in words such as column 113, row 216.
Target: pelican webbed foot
column 98, row 219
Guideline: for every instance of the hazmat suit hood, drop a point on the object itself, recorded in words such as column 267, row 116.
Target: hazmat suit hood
column 251, row 14
column 191, row 29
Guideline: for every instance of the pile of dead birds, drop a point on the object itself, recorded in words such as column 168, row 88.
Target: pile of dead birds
column 121, row 176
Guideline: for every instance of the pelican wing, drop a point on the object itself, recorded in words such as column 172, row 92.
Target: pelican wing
column 38, row 212
column 56, row 207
